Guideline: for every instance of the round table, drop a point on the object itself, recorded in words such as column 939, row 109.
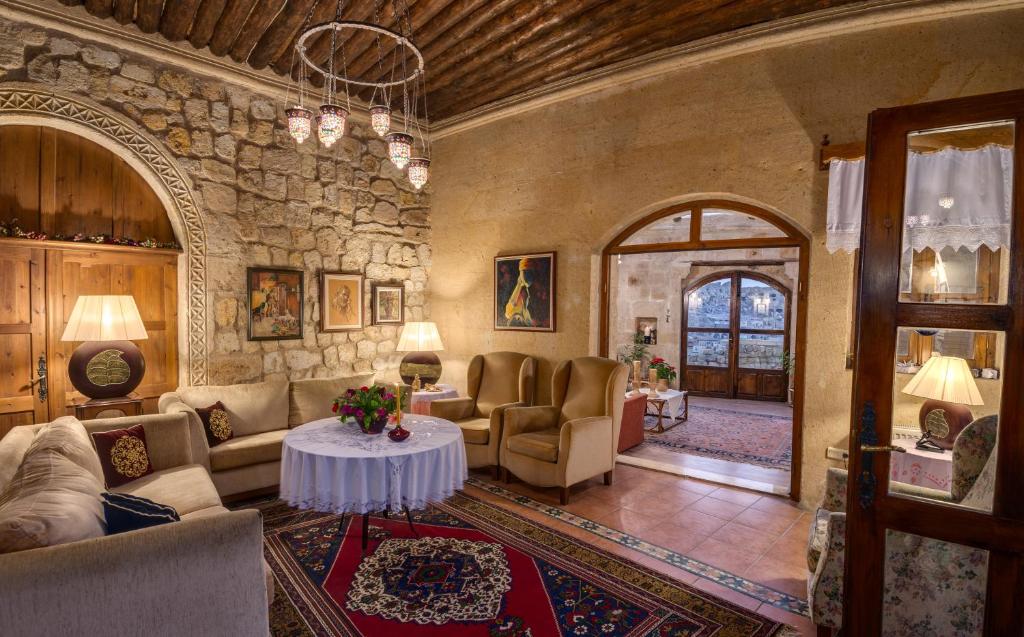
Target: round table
column 333, row 467
column 420, row 403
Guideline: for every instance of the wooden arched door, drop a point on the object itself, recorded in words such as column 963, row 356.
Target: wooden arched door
column 735, row 336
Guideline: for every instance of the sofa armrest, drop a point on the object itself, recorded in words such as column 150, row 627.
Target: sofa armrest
column 586, row 447
column 195, row 577
column 172, row 403
column 453, row 409
column 521, row 420
column 835, row 490
column 920, row 492
column 825, row 585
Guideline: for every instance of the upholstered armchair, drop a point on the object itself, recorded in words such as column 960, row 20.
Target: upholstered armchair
column 496, row 382
column 912, row 562
column 576, row 437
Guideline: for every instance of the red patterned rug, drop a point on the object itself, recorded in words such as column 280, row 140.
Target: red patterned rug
column 475, row 569
column 737, row 436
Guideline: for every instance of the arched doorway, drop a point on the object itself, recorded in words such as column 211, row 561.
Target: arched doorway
column 681, row 247
column 735, row 336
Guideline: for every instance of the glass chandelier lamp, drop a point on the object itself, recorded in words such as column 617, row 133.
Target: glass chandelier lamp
column 300, row 123
column 380, row 119
column 399, row 149
column 331, row 124
column 419, row 171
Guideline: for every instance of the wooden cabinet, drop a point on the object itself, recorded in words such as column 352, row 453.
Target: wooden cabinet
column 38, row 289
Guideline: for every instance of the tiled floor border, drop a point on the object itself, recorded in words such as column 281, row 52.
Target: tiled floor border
column 751, row 589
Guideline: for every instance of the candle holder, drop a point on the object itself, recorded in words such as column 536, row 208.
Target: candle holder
column 399, row 433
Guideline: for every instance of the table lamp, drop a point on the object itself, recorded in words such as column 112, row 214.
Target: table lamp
column 420, row 340
column 948, row 385
column 107, row 364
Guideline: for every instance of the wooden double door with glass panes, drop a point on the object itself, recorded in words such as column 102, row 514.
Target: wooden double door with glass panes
column 940, row 327
column 735, row 336
column 39, row 283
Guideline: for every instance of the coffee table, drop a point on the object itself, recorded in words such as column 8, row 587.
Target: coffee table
column 421, row 400
column 334, row 467
column 671, row 403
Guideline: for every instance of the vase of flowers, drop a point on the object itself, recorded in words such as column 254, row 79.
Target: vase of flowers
column 369, row 407
column 665, row 372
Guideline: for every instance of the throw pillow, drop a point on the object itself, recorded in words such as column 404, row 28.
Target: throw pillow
column 216, row 423
column 125, row 512
column 67, row 436
column 123, row 455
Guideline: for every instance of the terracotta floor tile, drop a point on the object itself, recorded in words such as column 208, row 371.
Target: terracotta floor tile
column 728, row 594
column 695, row 486
column 725, row 556
column 698, row 522
column 780, row 573
column 746, row 537
column 718, row 508
column 800, row 622
column 761, row 521
column 674, row 537
column 587, row 506
column 626, row 521
column 736, row 496
column 777, row 505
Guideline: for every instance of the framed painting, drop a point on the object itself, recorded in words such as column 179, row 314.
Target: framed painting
column 275, row 303
column 388, row 304
column 647, row 329
column 524, row 292
column 341, row 301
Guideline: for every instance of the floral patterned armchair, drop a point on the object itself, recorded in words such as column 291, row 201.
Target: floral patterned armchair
column 931, row 587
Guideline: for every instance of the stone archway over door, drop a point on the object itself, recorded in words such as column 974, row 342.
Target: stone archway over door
column 28, row 104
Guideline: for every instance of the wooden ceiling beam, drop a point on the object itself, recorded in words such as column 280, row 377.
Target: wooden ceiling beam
column 177, row 19
column 544, row 59
column 124, row 11
column 229, row 26
column 258, row 22
column 100, row 8
column 147, row 15
column 476, row 52
column 319, row 48
column 322, row 12
column 205, row 22
column 282, row 31
column 420, row 16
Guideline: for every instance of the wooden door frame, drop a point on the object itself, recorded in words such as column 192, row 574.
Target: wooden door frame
column 735, row 328
column 879, row 315
column 795, row 238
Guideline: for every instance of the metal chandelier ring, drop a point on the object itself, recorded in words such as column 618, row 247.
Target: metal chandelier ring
column 300, row 48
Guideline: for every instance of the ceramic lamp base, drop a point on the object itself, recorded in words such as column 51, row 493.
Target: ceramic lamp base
column 106, row 369
column 426, row 364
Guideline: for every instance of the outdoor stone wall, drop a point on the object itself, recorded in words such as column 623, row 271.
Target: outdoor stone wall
column 265, row 201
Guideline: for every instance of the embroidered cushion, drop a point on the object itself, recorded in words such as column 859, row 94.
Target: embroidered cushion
column 123, row 454
column 216, row 423
column 125, row 512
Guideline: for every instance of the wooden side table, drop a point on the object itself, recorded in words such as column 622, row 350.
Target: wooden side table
column 130, row 405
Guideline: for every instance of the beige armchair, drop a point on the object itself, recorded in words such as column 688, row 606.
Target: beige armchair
column 573, row 439
column 496, row 381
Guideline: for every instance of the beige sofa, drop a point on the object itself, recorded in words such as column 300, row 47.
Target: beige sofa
column 261, row 414
column 204, row 575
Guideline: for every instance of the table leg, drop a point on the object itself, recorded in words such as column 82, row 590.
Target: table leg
column 408, row 516
column 366, row 530
column 686, row 407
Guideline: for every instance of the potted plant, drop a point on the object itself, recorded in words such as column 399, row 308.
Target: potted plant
column 369, row 407
column 665, row 372
column 788, row 365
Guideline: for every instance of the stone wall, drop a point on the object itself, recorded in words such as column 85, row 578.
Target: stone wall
column 265, row 201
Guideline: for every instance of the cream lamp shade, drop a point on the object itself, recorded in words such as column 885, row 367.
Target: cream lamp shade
column 945, row 378
column 105, row 317
column 420, row 337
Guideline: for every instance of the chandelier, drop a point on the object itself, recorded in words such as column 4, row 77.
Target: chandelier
column 399, row 78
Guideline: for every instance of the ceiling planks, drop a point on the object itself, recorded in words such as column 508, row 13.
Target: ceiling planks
column 477, row 51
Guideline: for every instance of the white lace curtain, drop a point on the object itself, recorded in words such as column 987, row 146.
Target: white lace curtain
column 955, row 198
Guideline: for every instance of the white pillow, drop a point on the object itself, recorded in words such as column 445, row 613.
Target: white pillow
column 68, row 437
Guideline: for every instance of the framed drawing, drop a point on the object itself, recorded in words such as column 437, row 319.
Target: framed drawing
column 341, row 301
column 388, row 304
column 275, row 303
column 524, row 292
column 647, row 329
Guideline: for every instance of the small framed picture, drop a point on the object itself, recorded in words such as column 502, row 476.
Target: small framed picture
column 275, row 303
column 647, row 329
column 341, row 301
column 524, row 292
column 388, row 304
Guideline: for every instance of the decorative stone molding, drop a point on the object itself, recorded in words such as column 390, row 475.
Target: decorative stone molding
column 28, row 104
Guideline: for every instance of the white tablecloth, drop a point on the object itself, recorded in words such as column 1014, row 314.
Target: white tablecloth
column 336, row 468
column 421, row 399
column 921, row 468
column 673, row 404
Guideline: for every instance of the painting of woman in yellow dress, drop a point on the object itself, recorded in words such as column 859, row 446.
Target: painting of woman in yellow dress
column 524, row 292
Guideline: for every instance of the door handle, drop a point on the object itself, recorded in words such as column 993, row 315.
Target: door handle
column 882, row 449
column 41, row 379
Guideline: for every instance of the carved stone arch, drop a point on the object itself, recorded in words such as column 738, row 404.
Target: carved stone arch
column 28, row 104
